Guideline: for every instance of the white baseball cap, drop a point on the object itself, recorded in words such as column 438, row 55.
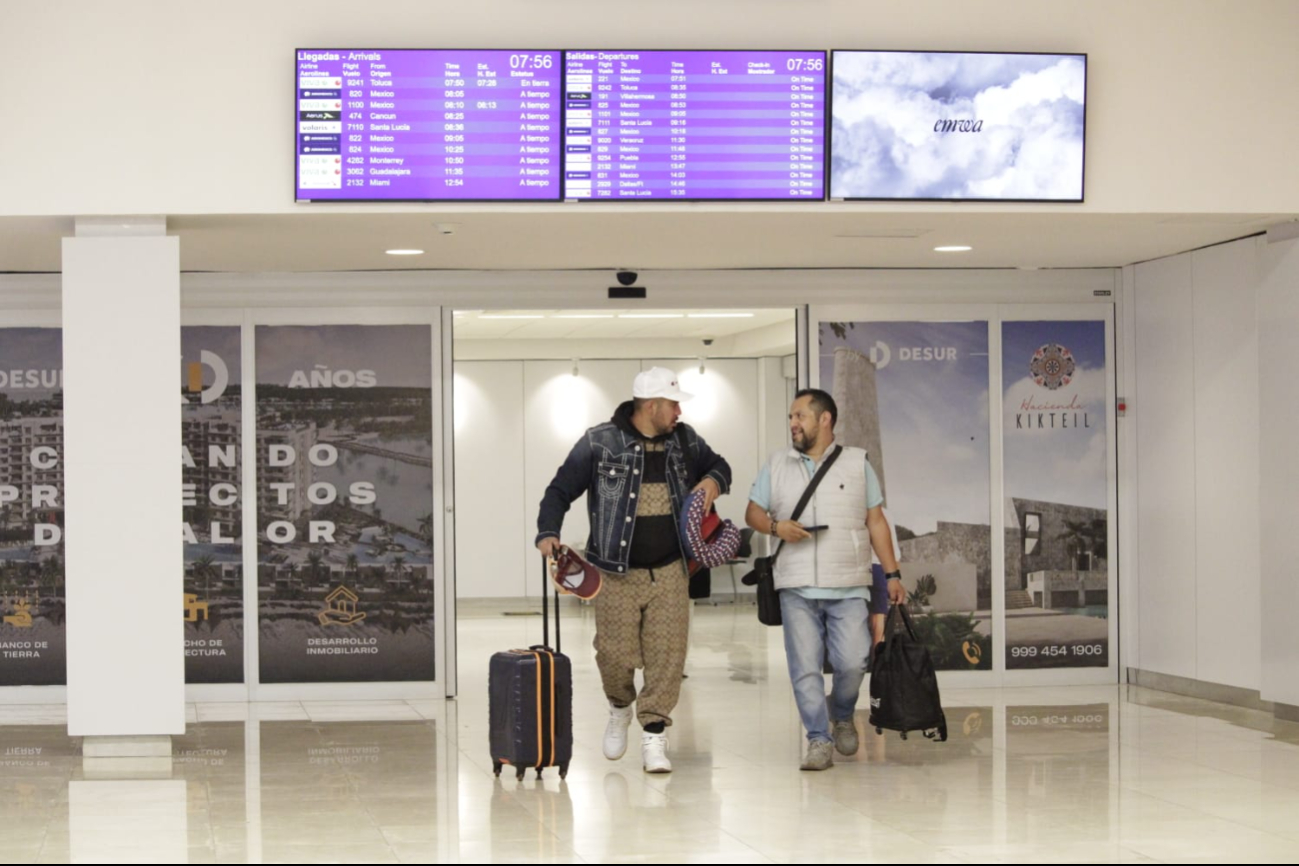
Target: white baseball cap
column 658, row 382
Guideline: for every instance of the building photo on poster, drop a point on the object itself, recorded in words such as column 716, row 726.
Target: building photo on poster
column 33, row 649
column 1056, row 484
column 345, row 503
column 212, row 503
column 914, row 395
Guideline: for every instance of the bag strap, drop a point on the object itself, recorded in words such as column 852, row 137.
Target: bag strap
column 807, row 494
column 898, row 620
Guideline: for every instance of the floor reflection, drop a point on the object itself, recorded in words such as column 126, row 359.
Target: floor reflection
column 1027, row 775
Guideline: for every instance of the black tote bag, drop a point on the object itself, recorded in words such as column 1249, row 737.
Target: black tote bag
column 904, row 686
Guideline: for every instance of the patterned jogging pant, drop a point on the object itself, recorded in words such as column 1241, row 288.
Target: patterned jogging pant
column 642, row 619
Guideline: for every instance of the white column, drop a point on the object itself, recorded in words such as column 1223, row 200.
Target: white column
column 122, row 439
column 1278, row 507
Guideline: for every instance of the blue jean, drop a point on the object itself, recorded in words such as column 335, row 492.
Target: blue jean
column 811, row 627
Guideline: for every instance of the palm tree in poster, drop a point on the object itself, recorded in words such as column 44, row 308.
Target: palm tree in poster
column 352, row 566
column 314, row 559
column 203, row 570
column 292, row 569
column 419, row 577
column 1100, row 537
column 426, row 528
column 50, row 568
column 399, row 567
column 1077, row 536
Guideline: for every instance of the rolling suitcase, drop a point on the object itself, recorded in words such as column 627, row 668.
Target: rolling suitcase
column 530, row 694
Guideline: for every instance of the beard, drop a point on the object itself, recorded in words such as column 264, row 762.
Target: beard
column 806, row 443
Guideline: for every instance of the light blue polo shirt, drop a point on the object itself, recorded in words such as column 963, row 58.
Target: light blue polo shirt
column 760, row 494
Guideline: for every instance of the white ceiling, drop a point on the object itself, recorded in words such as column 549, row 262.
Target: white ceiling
column 662, row 237
column 626, row 324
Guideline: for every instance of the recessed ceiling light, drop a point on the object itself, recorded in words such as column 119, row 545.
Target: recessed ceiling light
column 720, row 316
column 651, row 316
column 956, row 248
column 404, row 252
column 586, row 316
column 510, row 317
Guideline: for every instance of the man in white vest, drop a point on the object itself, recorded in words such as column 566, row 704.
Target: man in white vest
column 824, row 575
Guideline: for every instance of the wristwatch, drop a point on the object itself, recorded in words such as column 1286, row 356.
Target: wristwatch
column 893, row 575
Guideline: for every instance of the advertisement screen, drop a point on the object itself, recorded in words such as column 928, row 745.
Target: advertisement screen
column 947, row 125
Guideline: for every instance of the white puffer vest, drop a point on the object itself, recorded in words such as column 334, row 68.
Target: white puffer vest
column 835, row 557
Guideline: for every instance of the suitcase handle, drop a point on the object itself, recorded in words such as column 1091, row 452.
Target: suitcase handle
column 546, row 564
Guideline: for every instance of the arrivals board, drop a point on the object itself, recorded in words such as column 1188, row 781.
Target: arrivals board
column 428, row 125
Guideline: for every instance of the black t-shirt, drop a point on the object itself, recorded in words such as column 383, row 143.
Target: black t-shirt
column 654, row 540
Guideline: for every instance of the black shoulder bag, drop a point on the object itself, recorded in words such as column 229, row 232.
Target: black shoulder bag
column 764, row 574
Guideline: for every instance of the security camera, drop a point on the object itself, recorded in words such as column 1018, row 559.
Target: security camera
column 626, row 278
column 708, row 341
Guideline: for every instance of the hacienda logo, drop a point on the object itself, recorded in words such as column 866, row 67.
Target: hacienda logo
column 1052, row 366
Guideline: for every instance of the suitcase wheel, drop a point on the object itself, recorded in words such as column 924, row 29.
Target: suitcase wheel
column 538, row 772
column 879, row 730
column 563, row 770
column 496, row 767
column 521, row 771
column 904, row 735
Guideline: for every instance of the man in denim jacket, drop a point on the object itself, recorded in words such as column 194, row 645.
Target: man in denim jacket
column 637, row 470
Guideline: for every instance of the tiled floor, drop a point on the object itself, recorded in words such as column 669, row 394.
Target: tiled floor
column 1093, row 774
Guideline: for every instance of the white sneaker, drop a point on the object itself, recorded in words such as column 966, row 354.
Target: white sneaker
column 654, row 753
column 615, row 733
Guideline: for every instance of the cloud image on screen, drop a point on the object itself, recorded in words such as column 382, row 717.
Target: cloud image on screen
column 957, row 126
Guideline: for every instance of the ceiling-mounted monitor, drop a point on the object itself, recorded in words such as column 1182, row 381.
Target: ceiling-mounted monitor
column 427, row 125
column 940, row 125
column 694, row 125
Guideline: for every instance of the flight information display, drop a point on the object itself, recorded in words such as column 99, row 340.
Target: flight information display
column 739, row 125
column 428, row 125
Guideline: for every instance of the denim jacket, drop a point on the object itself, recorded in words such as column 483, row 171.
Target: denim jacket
column 606, row 465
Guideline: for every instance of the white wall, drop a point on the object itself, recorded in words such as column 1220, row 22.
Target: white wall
column 558, row 408
column 777, row 396
column 1197, row 414
column 1225, row 343
column 516, row 422
column 1278, row 319
column 192, row 104
column 490, row 518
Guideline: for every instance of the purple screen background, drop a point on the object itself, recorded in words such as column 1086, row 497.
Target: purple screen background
column 695, row 125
